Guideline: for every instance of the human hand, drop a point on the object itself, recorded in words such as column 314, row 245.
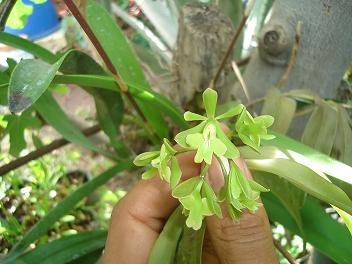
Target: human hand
column 138, row 219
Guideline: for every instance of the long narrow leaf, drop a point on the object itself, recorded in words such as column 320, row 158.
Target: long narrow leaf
column 63, row 207
column 28, row 46
column 52, row 113
column 123, row 58
column 160, row 102
column 305, row 179
column 66, row 249
column 320, row 230
column 340, row 173
column 164, row 249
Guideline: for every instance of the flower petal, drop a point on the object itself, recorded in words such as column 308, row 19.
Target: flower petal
column 232, row 112
column 194, row 140
column 210, row 98
column 190, row 116
column 218, row 147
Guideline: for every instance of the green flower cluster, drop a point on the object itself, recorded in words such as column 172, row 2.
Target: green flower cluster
column 209, row 140
column 240, row 193
column 198, row 200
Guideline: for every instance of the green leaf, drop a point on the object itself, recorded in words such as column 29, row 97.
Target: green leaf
column 342, row 149
column 30, row 79
column 175, row 172
column 210, row 98
column 145, row 158
column 185, row 188
column 63, row 207
column 320, row 229
column 288, row 194
column 28, row 82
column 28, row 46
column 232, row 112
column 164, row 249
column 159, row 102
column 305, row 179
column 190, row 116
column 347, row 218
column 66, row 249
column 320, row 130
column 282, row 108
column 123, row 58
column 50, row 110
column 338, row 171
column 16, row 126
column 109, row 105
column 190, row 246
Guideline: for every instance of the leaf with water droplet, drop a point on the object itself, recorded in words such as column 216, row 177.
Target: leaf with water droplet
column 29, row 81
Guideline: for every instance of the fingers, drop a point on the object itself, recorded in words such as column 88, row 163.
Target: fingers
column 246, row 241
column 140, row 216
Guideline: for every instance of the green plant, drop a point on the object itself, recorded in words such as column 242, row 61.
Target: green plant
column 290, row 169
column 209, row 141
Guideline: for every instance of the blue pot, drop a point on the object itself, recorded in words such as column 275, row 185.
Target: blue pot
column 43, row 21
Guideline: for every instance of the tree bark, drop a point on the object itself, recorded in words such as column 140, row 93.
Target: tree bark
column 324, row 53
column 203, row 37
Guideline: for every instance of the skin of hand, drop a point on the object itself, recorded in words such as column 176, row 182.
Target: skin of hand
column 139, row 217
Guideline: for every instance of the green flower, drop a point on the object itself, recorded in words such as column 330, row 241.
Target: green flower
column 251, row 130
column 206, row 144
column 208, row 137
column 167, row 164
column 241, row 192
column 198, row 200
column 163, row 162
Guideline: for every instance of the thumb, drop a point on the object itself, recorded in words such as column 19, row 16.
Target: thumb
column 248, row 240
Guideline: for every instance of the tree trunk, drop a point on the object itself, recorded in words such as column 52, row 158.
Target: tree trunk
column 324, row 53
column 203, row 37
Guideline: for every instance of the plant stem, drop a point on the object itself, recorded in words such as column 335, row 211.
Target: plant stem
column 58, row 143
column 284, row 252
column 5, row 10
column 124, row 88
column 232, row 43
column 204, row 171
column 223, row 169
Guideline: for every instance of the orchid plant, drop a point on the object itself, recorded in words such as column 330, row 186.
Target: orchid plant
column 209, row 141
